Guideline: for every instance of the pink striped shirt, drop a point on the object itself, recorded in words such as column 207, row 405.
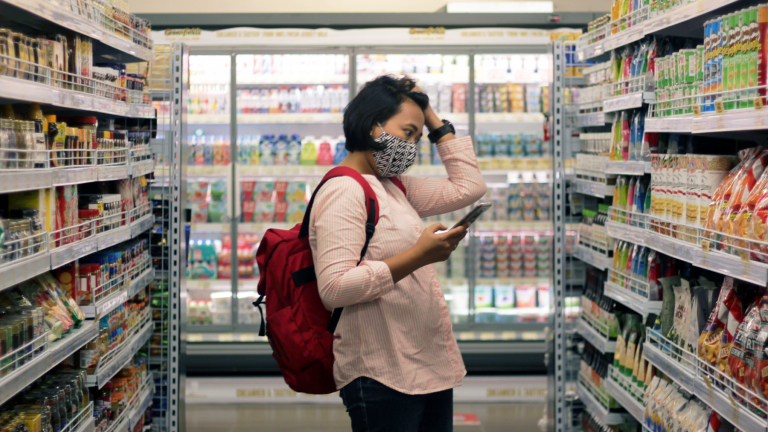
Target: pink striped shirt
column 399, row 334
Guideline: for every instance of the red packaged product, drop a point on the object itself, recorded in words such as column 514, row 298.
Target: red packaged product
column 281, row 209
column 247, row 188
column 280, row 188
column 249, row 208
column 709, row 340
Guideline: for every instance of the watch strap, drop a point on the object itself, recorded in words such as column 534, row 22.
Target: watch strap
column 440, row 132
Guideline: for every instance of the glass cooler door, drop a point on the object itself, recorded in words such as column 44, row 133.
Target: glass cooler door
column 445, row 79
column 512, row 243
column 209, row 303
column 289, row 134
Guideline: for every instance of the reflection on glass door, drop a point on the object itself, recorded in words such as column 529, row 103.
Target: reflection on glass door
column 208, row 158
column 445, row 79
column 289, row 116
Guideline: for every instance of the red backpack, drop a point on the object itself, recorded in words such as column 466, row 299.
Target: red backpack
column 299, row 328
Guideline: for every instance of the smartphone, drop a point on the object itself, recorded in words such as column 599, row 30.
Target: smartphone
column 473, row 215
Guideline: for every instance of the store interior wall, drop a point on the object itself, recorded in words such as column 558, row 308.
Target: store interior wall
column 329, row 6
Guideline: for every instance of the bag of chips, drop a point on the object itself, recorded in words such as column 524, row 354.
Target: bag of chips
column 737, row 364
column 759, row 377
column 721, row 196
column 709, row 340
column 742, row 192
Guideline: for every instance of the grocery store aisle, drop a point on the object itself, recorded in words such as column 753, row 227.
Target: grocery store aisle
column 490, row 417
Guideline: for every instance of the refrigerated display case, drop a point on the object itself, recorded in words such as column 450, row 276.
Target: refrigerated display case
column 265, row 125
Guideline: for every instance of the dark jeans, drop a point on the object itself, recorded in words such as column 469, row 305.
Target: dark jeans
column 374, row 407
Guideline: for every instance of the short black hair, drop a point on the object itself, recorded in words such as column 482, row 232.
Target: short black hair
column 376, row 103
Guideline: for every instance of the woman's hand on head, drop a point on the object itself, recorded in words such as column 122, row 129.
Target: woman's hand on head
column 432, row 247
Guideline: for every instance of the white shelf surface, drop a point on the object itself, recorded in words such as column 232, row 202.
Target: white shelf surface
column 627, row 101
column 624, row 399
column 105, row 305
column 627, row 168
column 592, row 257
column 126, row 352
column 596, row 408
column 142, row 403
column 18, row 271
column 141, row 282
column 70, row 252
column 18, row 380
column 29, row 91
column 717, row 261
column 680, row 124
column 594, row 338
column 671, row 368
column 42, row 178
column 54, row 13
column 632, row 300
column 626, row 232
column 596, row 189
column 142, row 224
column 663, row 21
column 738, row 415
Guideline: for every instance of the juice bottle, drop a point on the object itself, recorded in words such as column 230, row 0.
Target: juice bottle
column 281, row 150
column 200, row 151
column 254, row 150
column 309, row 151
column 226, row 150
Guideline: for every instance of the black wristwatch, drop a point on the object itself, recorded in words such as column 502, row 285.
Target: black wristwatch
column 442, row 131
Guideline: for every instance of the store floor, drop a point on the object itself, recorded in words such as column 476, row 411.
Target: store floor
column 282, row 417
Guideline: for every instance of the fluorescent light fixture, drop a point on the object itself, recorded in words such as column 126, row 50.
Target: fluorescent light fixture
column 501, row 7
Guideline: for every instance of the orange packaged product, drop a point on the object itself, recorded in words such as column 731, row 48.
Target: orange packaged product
column 722, row 194
column 744, row 222
column 742, row 190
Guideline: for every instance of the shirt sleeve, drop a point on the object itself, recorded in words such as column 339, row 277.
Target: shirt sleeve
column 463, row 187
column 338, row 224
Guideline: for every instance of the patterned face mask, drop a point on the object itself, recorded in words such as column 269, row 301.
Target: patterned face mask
column 397, row 157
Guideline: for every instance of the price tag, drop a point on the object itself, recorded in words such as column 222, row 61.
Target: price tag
column 705, row 245
column 696, row 111
column 733, row 402
column 225, row 337
column 758, row 103
column 700, row 7
column 719, row 109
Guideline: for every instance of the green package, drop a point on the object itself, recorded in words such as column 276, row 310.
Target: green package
column 743, row 58
column 752, row 54
column 728, row 32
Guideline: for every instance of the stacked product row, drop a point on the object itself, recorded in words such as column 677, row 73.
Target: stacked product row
column 34, row 140
column 70, row 60
column 287, row 99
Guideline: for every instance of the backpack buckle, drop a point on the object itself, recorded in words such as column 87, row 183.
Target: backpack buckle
column 370, row 229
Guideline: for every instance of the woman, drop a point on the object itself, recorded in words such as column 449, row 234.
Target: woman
column 396, row 358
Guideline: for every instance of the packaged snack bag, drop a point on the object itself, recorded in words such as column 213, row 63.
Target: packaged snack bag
column 219, row 191
column 249, row 208
column 296, row 212
column 741, row 191
column 296, row 191
column 722, row 194
column 265, row 212
column 710, row 337
column 197, row 192
column 263, row 190
column 281, row 209
column 758, row 381
column 217, row 212
column 280, row 187
column 247, row 190
column 199, row 212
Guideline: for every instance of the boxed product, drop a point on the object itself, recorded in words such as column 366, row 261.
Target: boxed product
column 265, row 212
column 296, row 212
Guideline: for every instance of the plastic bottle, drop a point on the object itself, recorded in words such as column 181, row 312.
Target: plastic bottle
column 341, row 151
column 226, row 150
column 254, row 150
column 200, row 151
column 294, row 150
column 281, row 150
column 191, row 147
column 266, row 151
column 208, row 152
column 309, row 151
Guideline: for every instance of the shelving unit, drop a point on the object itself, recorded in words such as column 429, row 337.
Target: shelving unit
column 713, row 251
column 74, row 96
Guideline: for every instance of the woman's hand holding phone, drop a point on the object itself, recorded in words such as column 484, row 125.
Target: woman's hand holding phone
column 434, row 247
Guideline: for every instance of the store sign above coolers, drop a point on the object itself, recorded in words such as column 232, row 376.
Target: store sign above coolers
column 429, row 36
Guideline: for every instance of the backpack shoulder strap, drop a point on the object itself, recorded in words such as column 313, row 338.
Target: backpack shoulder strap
column 399, row 184
column 371, row 203
column 371, row 206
